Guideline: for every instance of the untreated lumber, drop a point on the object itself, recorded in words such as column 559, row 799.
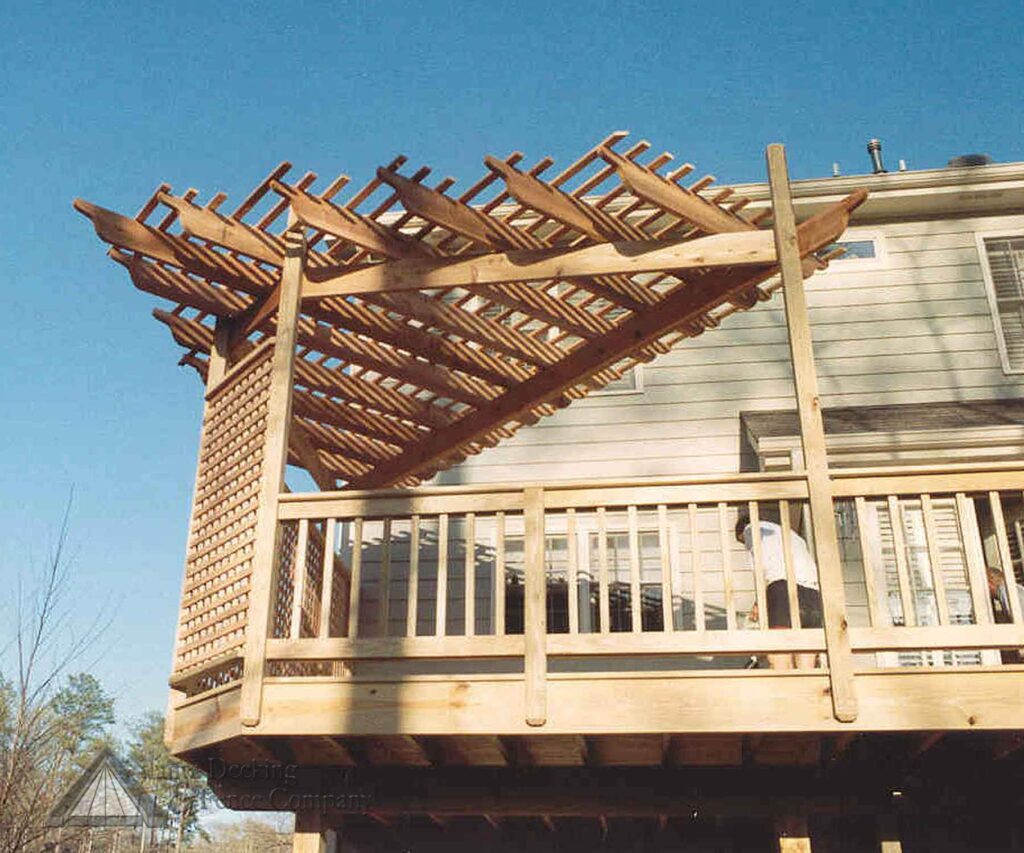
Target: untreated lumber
column 351, row 227
column 552, row 202
column 355, row 420
column 506, row 340
column 682, row 307
column 299, row 444
column 341, row 385
column 275, row 455
column 128, row 234
column 225, row 231
column 381, row 325
column 747, row 248
column 178, row 287
column 453, row 215
column 790, row 248
column 670, row 197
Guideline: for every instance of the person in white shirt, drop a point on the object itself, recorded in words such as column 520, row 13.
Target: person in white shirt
column 773, row 563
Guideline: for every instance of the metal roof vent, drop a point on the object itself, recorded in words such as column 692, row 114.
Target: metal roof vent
column 970, row 160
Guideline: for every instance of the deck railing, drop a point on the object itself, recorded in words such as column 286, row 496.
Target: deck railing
column 644, row 571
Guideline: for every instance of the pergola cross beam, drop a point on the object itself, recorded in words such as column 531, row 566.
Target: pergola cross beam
column 433, row 325
column 684, row 306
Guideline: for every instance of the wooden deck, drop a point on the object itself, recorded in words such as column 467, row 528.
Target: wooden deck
column 402, row 613
column 500, row 651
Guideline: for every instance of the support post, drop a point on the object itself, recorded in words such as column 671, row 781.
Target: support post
column 535, row 617
column 793, row 834
column 812, row 435
column 275, row 458
column 889, row 834
column 312, row 835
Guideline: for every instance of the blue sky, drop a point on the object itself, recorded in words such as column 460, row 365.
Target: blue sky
column 105, row 100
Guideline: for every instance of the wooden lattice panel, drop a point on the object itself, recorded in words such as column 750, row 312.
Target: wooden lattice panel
column 287, row 553
column 218, row 564
column 291, row 564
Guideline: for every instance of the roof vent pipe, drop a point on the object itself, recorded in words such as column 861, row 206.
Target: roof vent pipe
column 875, row 152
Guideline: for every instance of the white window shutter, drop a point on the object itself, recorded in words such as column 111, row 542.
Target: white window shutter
column 1004, row 265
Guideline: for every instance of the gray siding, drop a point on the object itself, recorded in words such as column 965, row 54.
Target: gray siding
column 913, row 328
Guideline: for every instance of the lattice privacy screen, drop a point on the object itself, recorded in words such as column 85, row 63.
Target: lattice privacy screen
column 218, row 565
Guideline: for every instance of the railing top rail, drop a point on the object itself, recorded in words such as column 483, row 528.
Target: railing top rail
column 490, row 497
column 547, row 485
column 980, row 467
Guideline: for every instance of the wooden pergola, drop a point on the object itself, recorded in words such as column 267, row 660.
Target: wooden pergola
column 378, row 337
column 428, row 325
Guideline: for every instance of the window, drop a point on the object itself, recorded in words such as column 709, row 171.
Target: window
column 853, row 249
column 1002, row 263
column 631, row 382
column 862, row 251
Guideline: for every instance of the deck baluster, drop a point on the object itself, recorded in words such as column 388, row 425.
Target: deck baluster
column 760, row 588
column 413, row 592
column 354, row 591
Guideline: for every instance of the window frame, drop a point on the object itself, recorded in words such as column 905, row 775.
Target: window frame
column 990, row 292
column 855, row 264
column 638, row 372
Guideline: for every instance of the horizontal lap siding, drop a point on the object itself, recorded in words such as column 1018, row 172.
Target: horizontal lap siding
column 913, row 329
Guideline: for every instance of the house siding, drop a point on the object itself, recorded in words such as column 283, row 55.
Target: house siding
column 910, row 328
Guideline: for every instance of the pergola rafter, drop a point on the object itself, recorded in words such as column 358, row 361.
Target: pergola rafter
column 435, row 325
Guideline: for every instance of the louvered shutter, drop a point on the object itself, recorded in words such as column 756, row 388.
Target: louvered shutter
column 952, row 563
column 1005, row 260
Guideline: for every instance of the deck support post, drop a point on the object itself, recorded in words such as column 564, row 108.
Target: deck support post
column 275, row 458
column 889, row 834
column 793, row 834
column 535, row 618
column 312, row 835
column 812, row 435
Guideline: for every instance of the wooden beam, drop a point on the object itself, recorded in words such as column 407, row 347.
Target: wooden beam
column 337, row 441
column 195, row 335
column 964, row 700
column 535, row 618
column 298, row 442
column 812, row 434
column 456, row 216
column 450, row 319
column 359, row 318
column 128, row 234
column 188, row 333
column 178, row 287
column 372, row 395
column 674, row 312
column 349, row 226
column 275, row 453
column 352, row 419
column 391, row 362
column 555, row 204
column 793, row 834
column 335, row 750
column 673, row 198
column 312, row 835
column 889, row 834
column 633, row 257
column 224, row 231
column 538, row 303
